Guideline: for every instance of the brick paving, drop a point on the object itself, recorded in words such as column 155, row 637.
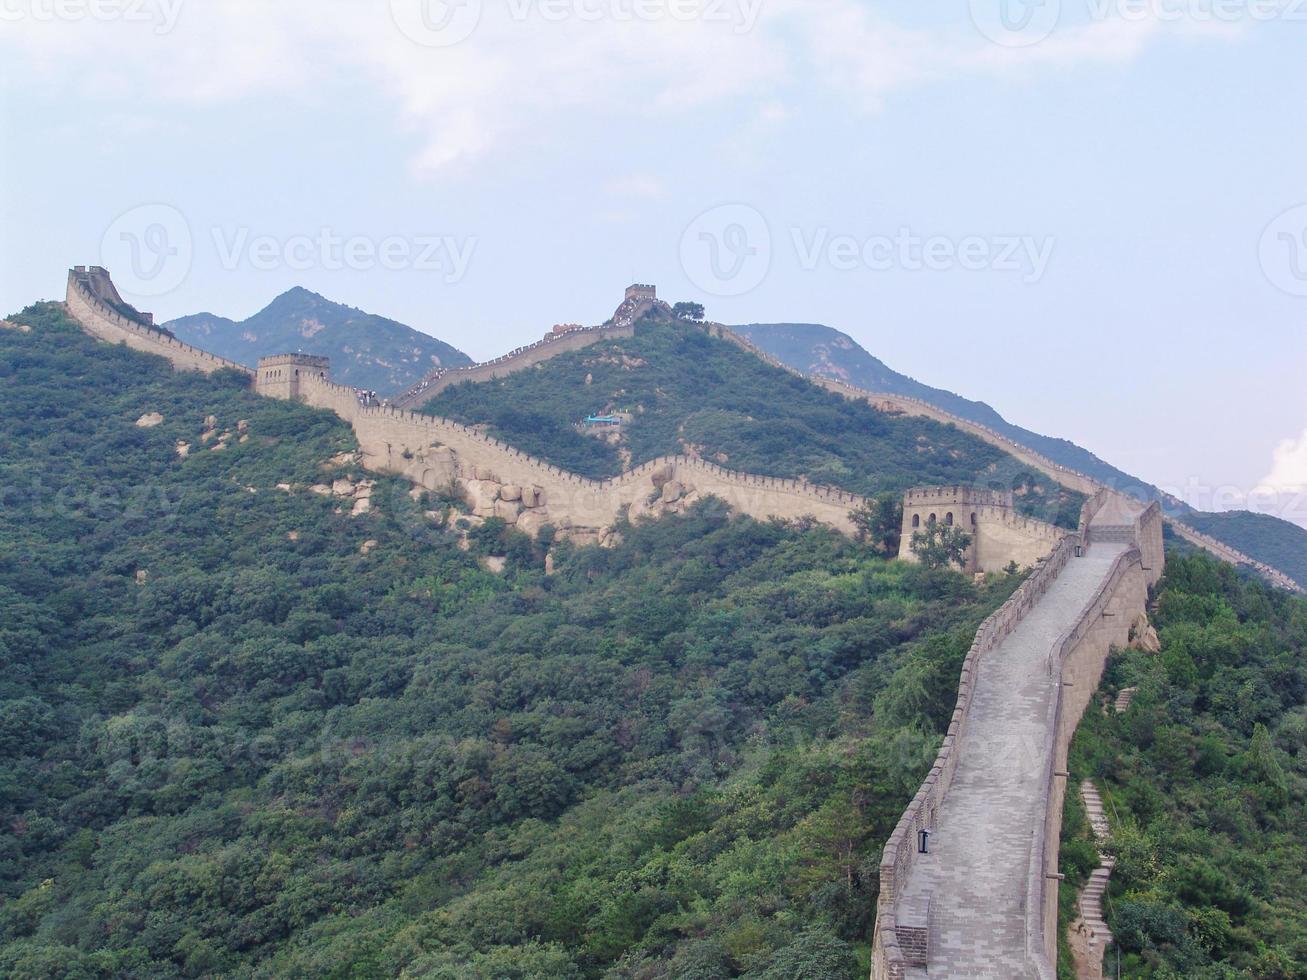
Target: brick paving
column 974, row 877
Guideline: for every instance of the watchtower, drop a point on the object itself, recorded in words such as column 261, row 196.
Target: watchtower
column 974, row 510
column 279, row 376
column 640, row 292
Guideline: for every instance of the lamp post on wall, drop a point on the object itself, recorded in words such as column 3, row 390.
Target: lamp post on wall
column 923, row 841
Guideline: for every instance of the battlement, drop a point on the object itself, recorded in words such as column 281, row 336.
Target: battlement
column 562, row 339
column 281, row 375
column 96, row 281
column 94, row 302
column 999, row 535
column 300, row 360
column 960, row 495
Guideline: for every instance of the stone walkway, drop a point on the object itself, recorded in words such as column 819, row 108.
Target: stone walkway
column 974, row 880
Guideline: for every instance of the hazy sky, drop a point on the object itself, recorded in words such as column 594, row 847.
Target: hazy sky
column 1091, row 214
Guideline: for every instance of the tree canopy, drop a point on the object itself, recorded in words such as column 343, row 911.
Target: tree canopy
column 245, row 733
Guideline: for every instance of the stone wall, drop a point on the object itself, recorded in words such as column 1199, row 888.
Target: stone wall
column 100, row 319
column 1113, row 617
column 501, row 480
column 1226, row 553
column 1110, row 620
column 889, row 960
column 520, row 359
column 999, row 535
column 88, row 289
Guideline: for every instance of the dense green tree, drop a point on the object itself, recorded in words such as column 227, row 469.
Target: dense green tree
column 687, row 392
column 1206, row 779
column 879, row 522
column 940, row 545
column 277, row 752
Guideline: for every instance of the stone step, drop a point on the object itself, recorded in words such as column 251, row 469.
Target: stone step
column 1089, row 903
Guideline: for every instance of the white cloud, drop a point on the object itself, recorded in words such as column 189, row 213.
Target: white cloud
column 1283, row 490
column 519, row 75
column 1288, row 465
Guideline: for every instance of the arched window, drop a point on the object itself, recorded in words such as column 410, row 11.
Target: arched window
column 916, row 520
column 973, row 520
column 931, row 519
column 948, row 518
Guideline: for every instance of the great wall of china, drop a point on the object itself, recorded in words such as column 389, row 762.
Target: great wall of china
column 639, row 300
column 977, row 894
column 93, row 302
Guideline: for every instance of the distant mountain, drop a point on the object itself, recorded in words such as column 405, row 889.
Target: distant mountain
column 366, row 351
column 824, row 351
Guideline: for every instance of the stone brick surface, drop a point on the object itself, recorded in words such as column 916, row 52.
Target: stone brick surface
column 976, row 873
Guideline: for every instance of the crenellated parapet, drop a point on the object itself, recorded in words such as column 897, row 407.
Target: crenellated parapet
column 500, row 480
column 1072, row 479
column 1020, row 697
column 94, row 303
column 999, row 535
column 552, row 345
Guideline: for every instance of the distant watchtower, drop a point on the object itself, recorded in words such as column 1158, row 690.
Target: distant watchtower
column 279, row 376
column 999, row 535
column 640, row 292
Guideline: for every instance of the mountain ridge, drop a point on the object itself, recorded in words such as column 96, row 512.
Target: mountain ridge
column 367, row 350
column 861, row 368
column 833, row 354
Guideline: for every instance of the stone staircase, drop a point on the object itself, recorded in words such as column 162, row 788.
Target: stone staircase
column 1090, row 903
column 1124, row 699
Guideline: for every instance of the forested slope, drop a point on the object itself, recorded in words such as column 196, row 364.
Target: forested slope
column 1205, row 781
column 687, row 392
column 823, row 351
column 243, row 733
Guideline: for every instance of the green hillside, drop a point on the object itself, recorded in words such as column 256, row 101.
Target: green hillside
column 1205, row 780
column 243, row 734
column 824, row 351
column 366, row 351
column 687, row 392
column 1269, row 539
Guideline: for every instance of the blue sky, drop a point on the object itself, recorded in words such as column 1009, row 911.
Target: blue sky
column 1094, row 223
